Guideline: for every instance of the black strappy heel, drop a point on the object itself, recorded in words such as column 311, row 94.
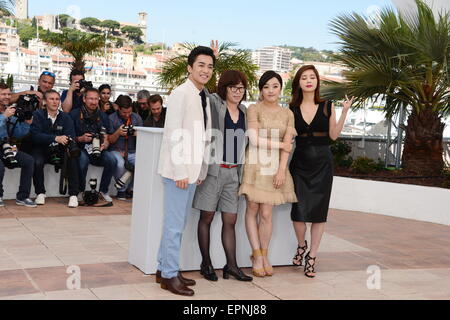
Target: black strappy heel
column 309, row 268
column 298, row 259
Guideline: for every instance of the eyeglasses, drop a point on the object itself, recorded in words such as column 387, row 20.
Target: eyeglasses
column 48, row 73
column 237, row 89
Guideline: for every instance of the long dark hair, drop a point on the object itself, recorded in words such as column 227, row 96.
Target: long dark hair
column 297, row 93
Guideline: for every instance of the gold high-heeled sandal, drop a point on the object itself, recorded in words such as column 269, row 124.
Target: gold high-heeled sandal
column 260, row 273
column 268, row 270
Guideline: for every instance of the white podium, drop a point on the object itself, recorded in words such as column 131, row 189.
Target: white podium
column 148, row 211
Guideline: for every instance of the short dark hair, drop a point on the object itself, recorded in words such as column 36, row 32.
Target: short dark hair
column 4, row 86
column 103, row 87
column 76, row 73
column 51, row 92
column 155, row 98
column 267, row 76
column 231, row 78
column 198, row 51
column 124, row 102
column 91, row 90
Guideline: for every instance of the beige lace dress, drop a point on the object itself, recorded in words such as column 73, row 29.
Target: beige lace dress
column 261, row 164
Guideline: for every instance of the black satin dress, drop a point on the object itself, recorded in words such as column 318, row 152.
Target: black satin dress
column 312, row 166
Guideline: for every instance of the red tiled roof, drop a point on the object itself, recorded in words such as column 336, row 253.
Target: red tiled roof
column 26, row 51
column 151, row 70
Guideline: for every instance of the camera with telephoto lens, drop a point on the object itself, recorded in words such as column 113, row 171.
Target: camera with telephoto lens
column 85, row 84
column 9, row 158
column 97, row 139
column 26, row 106
column 130, row 130
column 92, row 196
column 125, row 179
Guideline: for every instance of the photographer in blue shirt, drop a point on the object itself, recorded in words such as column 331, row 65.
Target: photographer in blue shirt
column 11, row 130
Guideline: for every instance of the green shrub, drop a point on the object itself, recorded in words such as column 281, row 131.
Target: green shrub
column 341, row 151
column 364, row 165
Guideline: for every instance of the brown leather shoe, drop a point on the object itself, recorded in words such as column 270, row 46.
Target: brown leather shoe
column 175, row 286
column 187, row 282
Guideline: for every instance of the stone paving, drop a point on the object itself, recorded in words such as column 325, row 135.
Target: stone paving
column 38, row 245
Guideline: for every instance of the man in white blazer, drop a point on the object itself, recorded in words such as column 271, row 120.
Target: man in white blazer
column 183, row 163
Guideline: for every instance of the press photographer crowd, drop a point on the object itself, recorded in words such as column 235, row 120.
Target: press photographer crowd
column 69, row 131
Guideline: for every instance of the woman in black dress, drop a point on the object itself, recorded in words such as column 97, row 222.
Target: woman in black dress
column 312, row 163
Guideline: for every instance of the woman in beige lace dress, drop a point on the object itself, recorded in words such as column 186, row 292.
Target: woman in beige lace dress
column 267, row 181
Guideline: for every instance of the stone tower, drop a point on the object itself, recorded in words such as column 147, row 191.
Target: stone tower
column 21, row 10
column 143, row 24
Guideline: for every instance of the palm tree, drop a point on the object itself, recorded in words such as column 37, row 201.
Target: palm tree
column 78, row 44
column 6, row 5
column 405, row 59
column 174, row 72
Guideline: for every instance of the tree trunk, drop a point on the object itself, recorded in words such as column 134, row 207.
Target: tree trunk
column 424, row 149
column 78, row 65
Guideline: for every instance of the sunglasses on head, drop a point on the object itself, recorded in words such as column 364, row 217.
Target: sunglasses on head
column 48, row 73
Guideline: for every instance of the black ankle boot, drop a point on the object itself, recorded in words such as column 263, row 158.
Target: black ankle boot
column 237, row 273
column 208, row 273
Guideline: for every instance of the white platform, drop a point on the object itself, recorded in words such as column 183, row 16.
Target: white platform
column 12, row 179
column 392, row 199
column 147, row 220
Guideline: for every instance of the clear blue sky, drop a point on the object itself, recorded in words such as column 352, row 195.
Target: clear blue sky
column 250, row 23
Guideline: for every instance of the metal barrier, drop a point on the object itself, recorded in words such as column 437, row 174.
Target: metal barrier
column 375, row 148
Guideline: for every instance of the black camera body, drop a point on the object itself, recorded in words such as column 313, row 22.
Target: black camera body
column 92, row 196
column 56, row 154
column 85, row 84
column 25, row 107
column 72, row 148
column 9, row 159
column 130, row 130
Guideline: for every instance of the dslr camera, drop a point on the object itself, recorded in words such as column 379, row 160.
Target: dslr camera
column 85, row 84
column 92, row 196
column 130, row 130
column 25, row 107
column 125, row 179
column 9, row 159
column 97, row 139
column 57, row 151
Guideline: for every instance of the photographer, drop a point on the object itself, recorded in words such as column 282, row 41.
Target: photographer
column 10, row 130
column 123, row 145
column 106, row 105
column 157, row 117
column 142, row 106
column 73, row 98
column 46, row 83
column 92, row 127
column 52, row 133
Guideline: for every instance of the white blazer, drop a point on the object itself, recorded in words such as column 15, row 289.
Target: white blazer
column 183, row 151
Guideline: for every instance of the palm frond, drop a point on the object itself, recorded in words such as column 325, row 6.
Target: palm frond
column 78, row 44
column 7, row 6
column 405, row 59
column 175, row 72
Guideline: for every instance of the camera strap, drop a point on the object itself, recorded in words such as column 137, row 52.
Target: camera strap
column 9, row 130
column 64, row 178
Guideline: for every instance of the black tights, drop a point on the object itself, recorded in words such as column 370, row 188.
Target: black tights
column 228, row 237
